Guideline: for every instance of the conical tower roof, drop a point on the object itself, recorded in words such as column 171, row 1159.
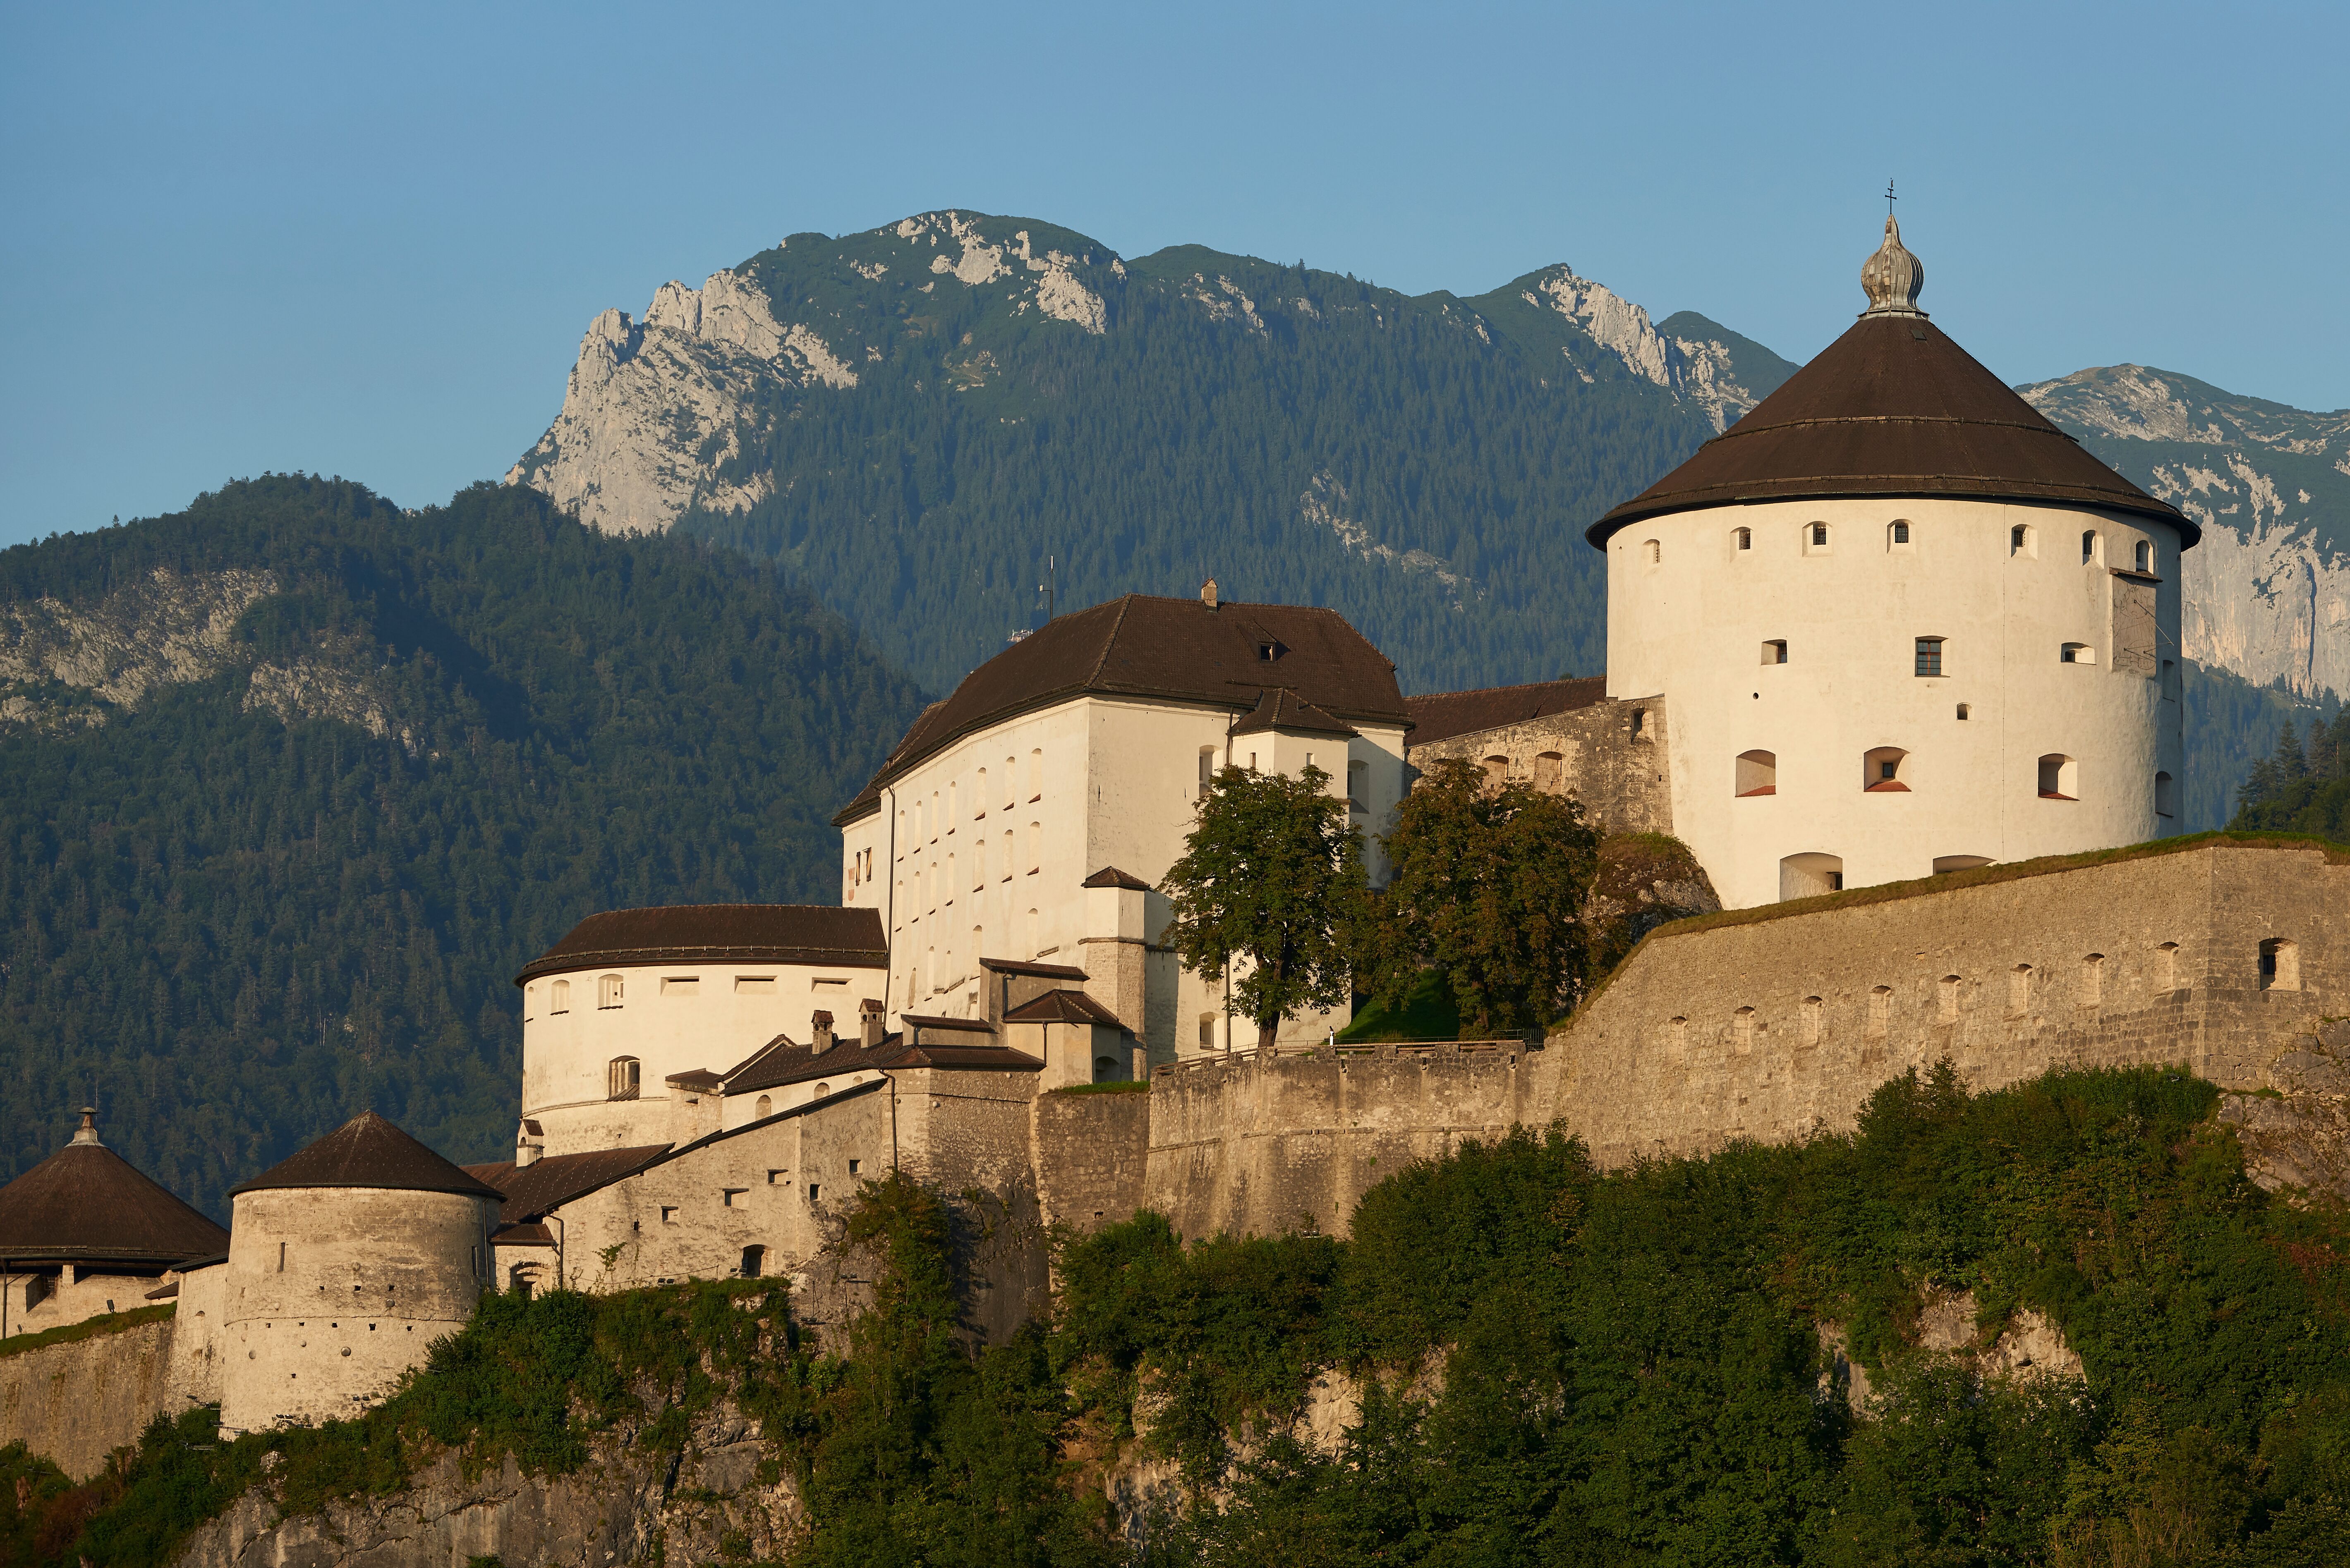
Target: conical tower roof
column 87, row 1203
column 1893, row 408
column 368, row 1151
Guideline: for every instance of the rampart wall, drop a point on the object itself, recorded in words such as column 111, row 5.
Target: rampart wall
column 76, row 1402
column 1774, row 1026
column 1596, row 753
column 1273, row 1142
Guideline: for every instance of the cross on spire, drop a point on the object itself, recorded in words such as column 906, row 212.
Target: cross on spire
column 1889, row 198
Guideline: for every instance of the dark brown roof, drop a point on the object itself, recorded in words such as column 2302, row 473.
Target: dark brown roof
column 1284, row 709
column 1441, row 715
column 694, row 1078
column 1040, row 970
column 764, row 1067
column 532, row 1190
column 1111, row 876
column 88, row 1203
column 718, row 933
column 1061, row 1007
column 794, row 1064
column 1173, row 648
column 1893, row 408
column 527, row 1235
column 368, row 1151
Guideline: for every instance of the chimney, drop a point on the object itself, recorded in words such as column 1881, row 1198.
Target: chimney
column 88, row 1131
column 1208, row 595
column 823, row 1033
column 870, row 1014
column 530, row 1145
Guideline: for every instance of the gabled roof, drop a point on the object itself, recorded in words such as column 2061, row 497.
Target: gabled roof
column 1282, row 709
column 770, row 1064
column 1063, row 1007
column 718, row 933
column 87, row 1202
column 1442, row 715
column 534, row 1189
column 1893, row 408
column 1175, row 649
column 368, row 1151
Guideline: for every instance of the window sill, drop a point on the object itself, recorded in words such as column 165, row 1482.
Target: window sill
column 2052, row 794
column 1751, row 794
column 1885, row 786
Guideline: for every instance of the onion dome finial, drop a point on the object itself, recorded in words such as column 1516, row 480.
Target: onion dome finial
column 1892, row 277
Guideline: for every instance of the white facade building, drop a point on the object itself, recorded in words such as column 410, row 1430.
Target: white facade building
column 1031, row 815
column 1903, row 624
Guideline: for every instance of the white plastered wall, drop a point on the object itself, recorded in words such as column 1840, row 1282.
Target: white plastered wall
column 1692, row 625
column 717, row 1017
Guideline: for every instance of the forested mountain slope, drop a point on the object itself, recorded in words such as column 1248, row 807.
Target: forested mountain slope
column 916, row 417
column 294, row 782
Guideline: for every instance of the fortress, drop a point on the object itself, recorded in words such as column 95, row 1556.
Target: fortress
column 1893, row 656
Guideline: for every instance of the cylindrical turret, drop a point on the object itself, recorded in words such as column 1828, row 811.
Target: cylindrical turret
column 344, row 1263
column 1902, row 624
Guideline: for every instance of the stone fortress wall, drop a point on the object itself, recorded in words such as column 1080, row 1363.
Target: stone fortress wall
column 1610, row 753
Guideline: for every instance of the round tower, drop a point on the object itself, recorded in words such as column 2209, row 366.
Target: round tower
column 344, row 1263
column 1899, row 622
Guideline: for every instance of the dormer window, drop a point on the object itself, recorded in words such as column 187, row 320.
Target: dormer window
column 1267, row 652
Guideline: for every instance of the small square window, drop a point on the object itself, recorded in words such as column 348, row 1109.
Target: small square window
column 669, row 1215
column 853, row 1166
column 813, row 1191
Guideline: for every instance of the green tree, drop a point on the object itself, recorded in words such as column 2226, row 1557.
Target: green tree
column 1270, row 888
column 1489, row 886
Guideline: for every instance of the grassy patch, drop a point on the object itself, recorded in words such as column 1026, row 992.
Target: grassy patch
column 1427, row 1013
column 88, row 1328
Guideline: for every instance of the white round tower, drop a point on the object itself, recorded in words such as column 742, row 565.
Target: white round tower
column 1900, row 623
column 344, row 1263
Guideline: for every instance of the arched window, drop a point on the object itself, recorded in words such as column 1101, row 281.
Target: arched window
column 979, row 795
column 765, row 1107
column 1550, row 773
column 1640, row 724
column 1808, row 875
column 2280, row 964
column 821, row 1091
column 2022, row 541
column 1949, row 999
column 529, row 1001
column 2165, row 967
column 1742, row 1030
column 1815, row 1019
column 1677, row 1038
column 1963, row 712
column 1758, row 774
column 1497, row 772
column 559, row 997
column 1745, row 538
column 2076, row 653
column 1036, row 847
column 1653, row 550
column 2089, row 547
column 2145, row 556
column 2018, row 990
column 1008, row 857
column 979, row 866
column 1207, row 770
column 1106, row 1070
column 1009, row 776
column 1930, row 656
column 2059, row 777
column 1897, row 535
column 1880, row 770
column 954, row 796
column 2166, row 796
column 1816, row 539
column 1880, row 1010
column 754, row 1261
column 1774, row 651
column 621, row 1078
column 2093, row 980
column 607, row 990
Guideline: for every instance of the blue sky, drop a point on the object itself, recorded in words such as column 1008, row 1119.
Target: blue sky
column 365, row 240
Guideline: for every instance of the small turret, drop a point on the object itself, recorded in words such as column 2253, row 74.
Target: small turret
column 1892, row 277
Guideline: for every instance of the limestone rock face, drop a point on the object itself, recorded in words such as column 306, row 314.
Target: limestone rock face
column 1703, row 367
column 629, row 1504
column 2267, row 592
column 2296, row 1139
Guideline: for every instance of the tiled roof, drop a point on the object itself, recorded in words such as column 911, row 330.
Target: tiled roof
column 1893, row 408
column 1283, row 710
column 1111, row 876
column 534, row 1189
column 368, row 1151
column 1061, row 1007
column 1442, row 715
column 88, row 1203
column 718, row 933
column 1178, row 650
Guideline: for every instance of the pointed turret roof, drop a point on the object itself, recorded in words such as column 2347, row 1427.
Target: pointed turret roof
column 368, row 1151
column 1893, row 408
column 87, row 1203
